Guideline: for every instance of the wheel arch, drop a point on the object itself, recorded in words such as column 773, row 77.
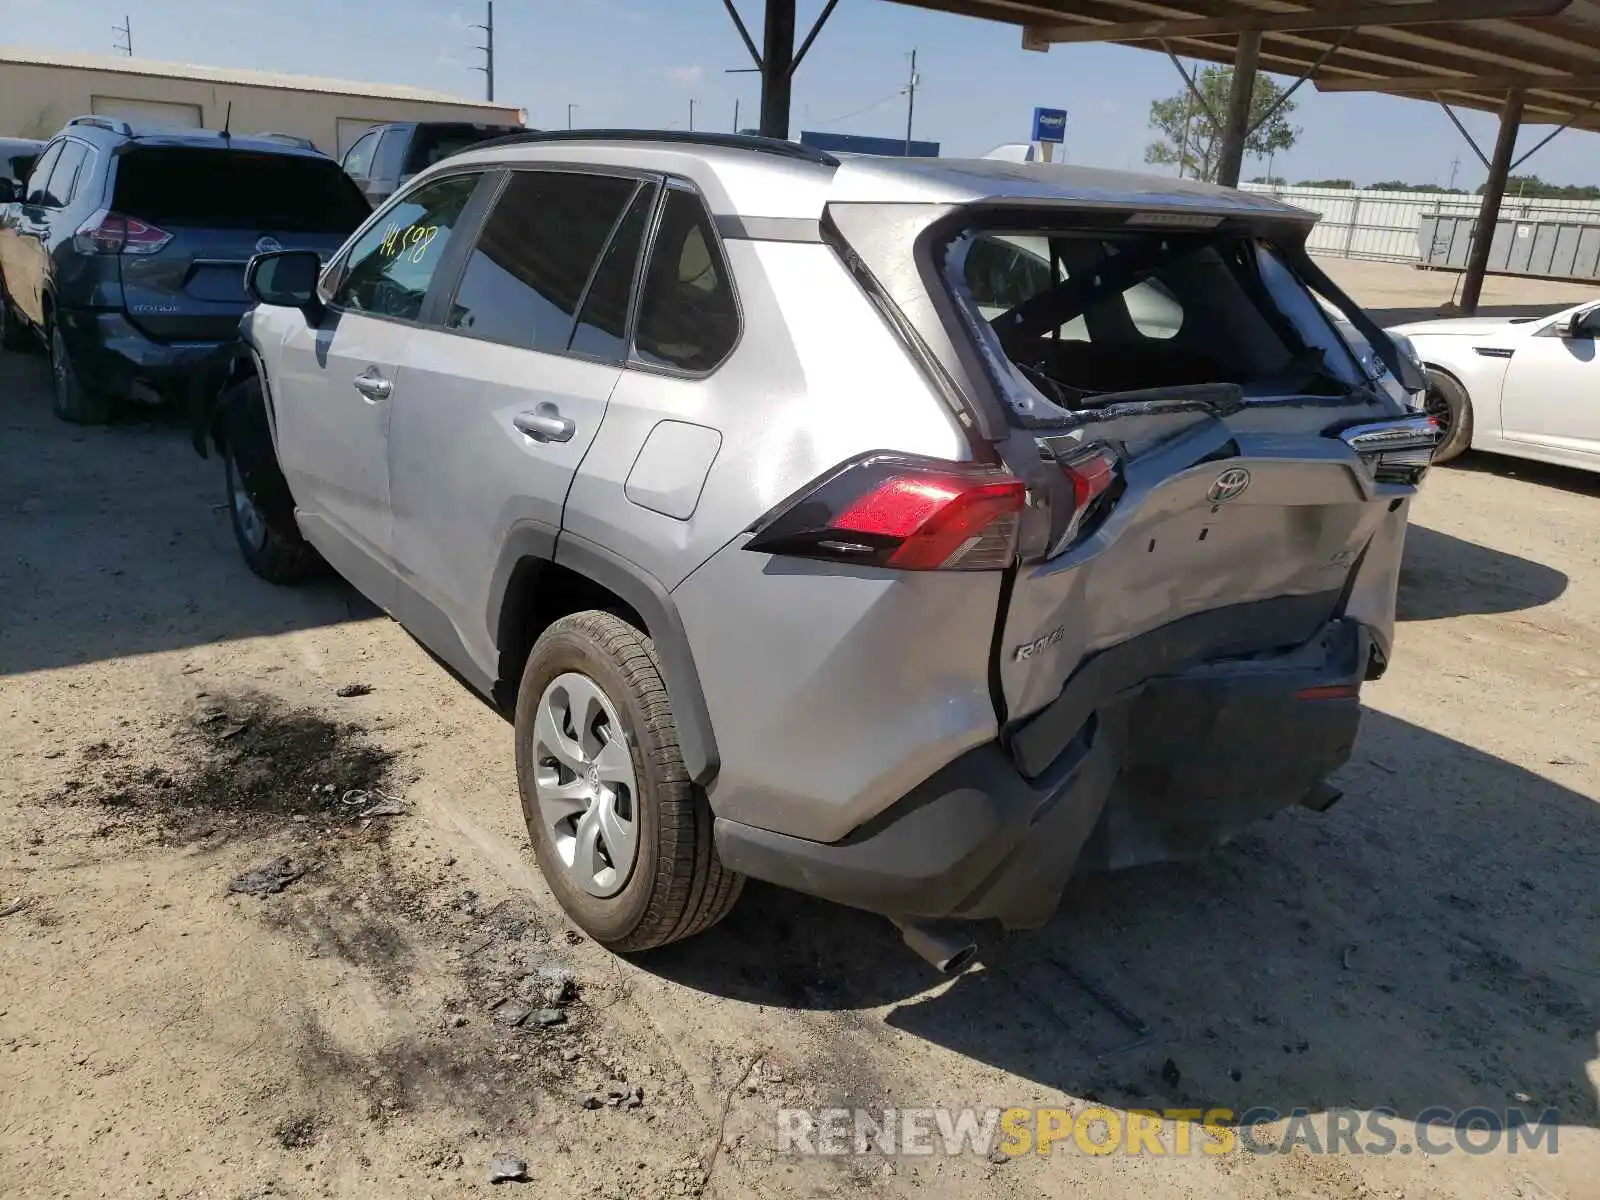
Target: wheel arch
column 543, row 577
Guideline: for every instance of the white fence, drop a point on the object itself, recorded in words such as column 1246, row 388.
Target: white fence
column 1383, row 225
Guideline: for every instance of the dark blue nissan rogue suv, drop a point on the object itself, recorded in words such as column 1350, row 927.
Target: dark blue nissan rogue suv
column 124, row 253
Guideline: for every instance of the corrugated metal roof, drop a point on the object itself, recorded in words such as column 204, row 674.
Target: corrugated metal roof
column 123, row 65
column 1567, row 43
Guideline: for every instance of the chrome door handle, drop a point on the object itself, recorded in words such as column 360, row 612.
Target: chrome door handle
column 373, row 385
column 545, row 424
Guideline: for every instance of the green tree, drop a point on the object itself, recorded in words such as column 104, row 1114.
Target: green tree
column 1399, row 185
column 1327, row 183
column 1191, row 135
column 1531, row 187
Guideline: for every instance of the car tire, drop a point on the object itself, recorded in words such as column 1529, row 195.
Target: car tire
column 1449, row 404
column 672, row 885
column 260, row 507
column 71, row 399
column 14, row 335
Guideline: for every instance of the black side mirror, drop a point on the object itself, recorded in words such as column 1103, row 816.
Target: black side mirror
column 286, row 279
column 22, row 167
column 1583, row 325
column 8, row 191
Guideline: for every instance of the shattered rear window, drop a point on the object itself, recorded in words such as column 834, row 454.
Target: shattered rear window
column 1080, row 314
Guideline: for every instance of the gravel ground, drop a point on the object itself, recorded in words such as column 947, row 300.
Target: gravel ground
column 169, row 723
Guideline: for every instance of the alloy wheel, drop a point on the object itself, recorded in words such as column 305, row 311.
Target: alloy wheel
column 251, row 525
column 1436, row 406
column 585, row 784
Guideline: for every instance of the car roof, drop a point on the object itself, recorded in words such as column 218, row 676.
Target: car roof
column 204, row 138
column 743, row 176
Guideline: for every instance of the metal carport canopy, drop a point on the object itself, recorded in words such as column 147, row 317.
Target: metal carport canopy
column 1530, row 61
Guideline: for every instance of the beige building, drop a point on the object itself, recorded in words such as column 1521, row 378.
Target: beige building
column 40, row 90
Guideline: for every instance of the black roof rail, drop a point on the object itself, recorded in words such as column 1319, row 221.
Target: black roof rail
column 721, row 141
column 111, row 124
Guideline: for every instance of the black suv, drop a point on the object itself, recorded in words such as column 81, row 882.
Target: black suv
column 17, row 156
column 124, row 252
column 388, row 155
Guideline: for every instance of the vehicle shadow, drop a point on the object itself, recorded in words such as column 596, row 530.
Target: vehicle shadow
column 1429, row 941
column 115, row 540
column 1567, row 479
column 1445, row 576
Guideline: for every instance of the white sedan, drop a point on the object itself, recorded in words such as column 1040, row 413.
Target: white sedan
column 1525, row 386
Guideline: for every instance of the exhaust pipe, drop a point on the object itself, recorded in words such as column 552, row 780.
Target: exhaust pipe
column 940, row 943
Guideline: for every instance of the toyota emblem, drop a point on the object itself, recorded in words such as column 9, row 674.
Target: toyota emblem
column 1228, row 485
column 268, row 244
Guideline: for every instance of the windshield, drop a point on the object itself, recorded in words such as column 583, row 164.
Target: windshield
column 1082, row 314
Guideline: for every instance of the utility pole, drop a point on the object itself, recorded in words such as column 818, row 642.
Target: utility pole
column 736, row 114
column 1455, row 166
column 570, row 107
column 488, row 50
column 126, row 30
column 911, row 100
column 691, row 114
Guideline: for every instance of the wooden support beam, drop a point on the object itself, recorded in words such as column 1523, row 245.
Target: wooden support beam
column 1489, row 81
column 1334, row 16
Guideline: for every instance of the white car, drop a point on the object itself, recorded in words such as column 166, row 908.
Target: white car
column 1525, row 386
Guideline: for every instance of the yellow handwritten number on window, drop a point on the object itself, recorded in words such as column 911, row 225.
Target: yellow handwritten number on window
column 412, row 241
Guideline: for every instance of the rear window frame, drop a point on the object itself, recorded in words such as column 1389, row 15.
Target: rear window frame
column 1024, row 404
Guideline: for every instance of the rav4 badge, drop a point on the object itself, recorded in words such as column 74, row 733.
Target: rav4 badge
column 1029, row 649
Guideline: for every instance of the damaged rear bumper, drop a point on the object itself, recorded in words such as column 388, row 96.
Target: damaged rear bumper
column 1156, row 769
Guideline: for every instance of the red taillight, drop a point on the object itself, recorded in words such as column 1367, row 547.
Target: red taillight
column 911, row 514
column 1330, row 691
column 113, row 233
column 1092, row 474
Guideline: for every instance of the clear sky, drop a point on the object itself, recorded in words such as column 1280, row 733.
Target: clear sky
column 640, row 62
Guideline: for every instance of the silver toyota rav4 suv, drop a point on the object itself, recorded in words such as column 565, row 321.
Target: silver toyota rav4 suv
column 909, row 533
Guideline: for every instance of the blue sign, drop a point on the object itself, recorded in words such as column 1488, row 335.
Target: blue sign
column 854, row 143
column 1050, row 125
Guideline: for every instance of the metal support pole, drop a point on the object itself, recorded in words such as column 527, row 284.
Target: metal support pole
column 1505, row 145
column 777, row 68
column 911, row 100
column 1236, row 126
column 488, row 50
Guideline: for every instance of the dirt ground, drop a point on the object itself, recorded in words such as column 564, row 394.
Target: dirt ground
column 169, row 722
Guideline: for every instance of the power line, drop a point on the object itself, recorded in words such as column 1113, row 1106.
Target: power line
column 898, row 92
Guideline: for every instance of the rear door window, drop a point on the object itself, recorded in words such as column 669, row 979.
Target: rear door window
column 602, row 330
column 64, row 177
column 688, row 316
column 527, row 273
column 37, row 181
column 177, row 186
column 391, row 153
column 358, row 159
column 391, row 265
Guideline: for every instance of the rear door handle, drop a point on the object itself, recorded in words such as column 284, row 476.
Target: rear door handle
column 371, row 384
column 545, row 424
